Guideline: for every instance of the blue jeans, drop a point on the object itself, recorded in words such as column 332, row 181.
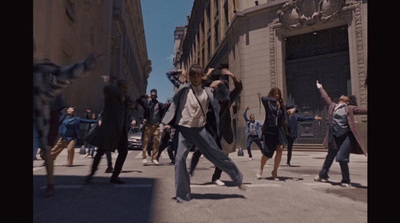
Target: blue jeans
column 91, row 148
column 207, row 145
column 250, row 140
column 344, row 144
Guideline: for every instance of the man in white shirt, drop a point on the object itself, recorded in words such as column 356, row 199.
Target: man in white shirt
column 188, row 112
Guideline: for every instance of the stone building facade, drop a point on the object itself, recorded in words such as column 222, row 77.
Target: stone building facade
column 285, row 44
column 66, row 31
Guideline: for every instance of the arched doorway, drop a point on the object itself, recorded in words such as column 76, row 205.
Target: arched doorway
column 323, row 56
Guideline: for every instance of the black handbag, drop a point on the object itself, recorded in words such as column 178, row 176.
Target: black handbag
column 240, row 152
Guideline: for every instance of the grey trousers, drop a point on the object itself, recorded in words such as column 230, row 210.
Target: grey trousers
column 209, row 148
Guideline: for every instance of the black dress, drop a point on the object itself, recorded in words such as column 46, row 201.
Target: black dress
column 273, row 130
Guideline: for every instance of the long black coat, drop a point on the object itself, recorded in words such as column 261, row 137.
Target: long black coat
column 113, row 125
column 225, row 127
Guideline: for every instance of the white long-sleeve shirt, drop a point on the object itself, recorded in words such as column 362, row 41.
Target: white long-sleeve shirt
column 192, row 114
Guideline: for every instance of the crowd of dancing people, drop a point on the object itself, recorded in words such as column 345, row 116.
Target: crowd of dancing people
column 198, row 117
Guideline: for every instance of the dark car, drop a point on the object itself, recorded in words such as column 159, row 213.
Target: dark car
column 135, row 138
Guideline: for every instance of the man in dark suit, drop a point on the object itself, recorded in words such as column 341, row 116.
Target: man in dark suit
column 112, row 131
column 188, row 112
column 292, row 120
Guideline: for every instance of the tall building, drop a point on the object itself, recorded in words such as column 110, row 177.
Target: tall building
column 66, row 31
column 178, row 36
column 285, row 44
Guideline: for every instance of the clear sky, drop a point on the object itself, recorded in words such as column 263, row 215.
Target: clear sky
column 160, row 17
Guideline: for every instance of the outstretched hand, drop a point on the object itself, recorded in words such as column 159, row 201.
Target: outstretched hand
column 226, row 71
column 91, row 61
column 208, row 74
column 317, row 117
column 215, row 83
column 209, row 71
column 319, row 85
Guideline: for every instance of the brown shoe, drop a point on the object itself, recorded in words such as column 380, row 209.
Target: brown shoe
column 109, row 170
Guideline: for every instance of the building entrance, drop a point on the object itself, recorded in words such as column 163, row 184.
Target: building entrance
column 323, row 56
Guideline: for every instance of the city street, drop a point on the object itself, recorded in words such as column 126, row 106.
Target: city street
column 148, row 192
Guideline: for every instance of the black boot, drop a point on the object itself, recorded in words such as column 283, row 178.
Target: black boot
column 116, row 180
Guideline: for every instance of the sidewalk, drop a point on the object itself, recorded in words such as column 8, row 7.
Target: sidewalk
column 148, row 193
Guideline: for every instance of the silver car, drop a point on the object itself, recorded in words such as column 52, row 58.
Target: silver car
column 135, row 138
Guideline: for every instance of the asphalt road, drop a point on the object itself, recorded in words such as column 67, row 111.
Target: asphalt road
column 147, row 195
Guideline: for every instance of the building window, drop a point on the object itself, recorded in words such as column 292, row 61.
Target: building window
column 70, row 10
column 216, row 23
column 216, row 34
column 208, row 47
column 226, row 13
column 203, row 58
column 208, row 12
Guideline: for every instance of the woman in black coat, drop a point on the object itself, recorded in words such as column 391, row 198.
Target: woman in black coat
column 274, row 130
column 112, row 131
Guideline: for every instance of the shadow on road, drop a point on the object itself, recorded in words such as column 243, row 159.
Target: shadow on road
column 99, row 201
column 355, row 185
column 210, row 196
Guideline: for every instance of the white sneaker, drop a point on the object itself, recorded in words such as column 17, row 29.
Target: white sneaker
column 144, row 161
column 155, row 161
column 250, row 158
column 258, row 176
column 319, row 179
column 219, row 182
column 345, row 185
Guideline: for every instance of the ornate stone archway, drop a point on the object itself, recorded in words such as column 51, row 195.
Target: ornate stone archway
column 301, row 16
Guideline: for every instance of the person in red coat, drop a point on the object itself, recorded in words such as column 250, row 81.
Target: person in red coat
column 342, row 137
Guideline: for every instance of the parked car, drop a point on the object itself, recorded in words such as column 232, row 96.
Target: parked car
column 135, row 138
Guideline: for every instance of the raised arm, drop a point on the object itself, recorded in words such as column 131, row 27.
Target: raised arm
column 82, row 120
column 173, row 75
column 65, row 73
column 324, row 95
column 234, row 94
column 266, row 99
column 305, row 118
column 142, row 101
column 360, row 111
column 245, row 115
